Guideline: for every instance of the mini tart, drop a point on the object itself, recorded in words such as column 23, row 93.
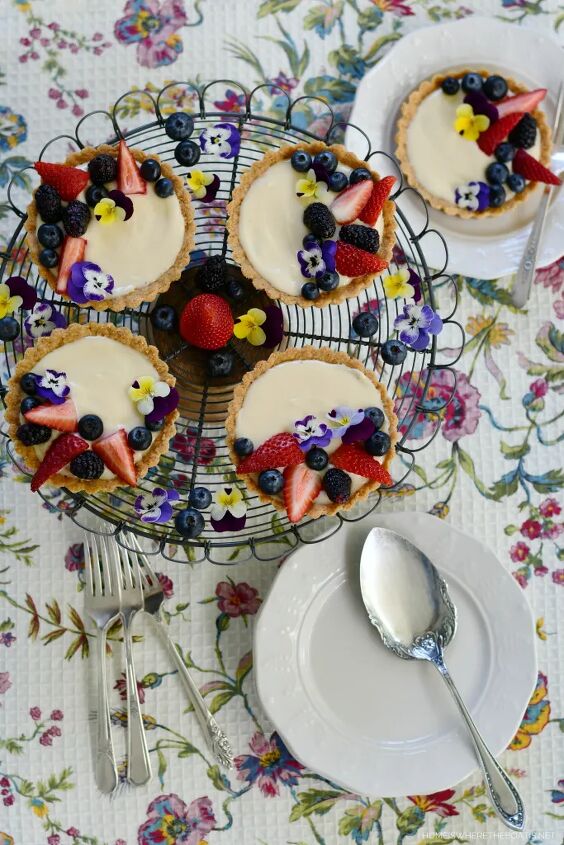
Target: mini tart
column 408, row 110
column 147, row 292
column 327, row 356
column 341, row 293
column 63, row 337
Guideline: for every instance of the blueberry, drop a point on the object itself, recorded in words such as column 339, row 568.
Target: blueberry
column 365, row 324
column 163, row 318
column 50, row 235
column 49, row 258
column 337, row 181
column 243, row 447
column 271, row 481
column 179, row 126
column 504, row 152
column 327, row 160
column 450, row 85
column 93, row 195
column 328, row 281
column 497, row 195
column 235, row 290
column 301, row 161
column 187, row 153
column 9, row 329
column 393, row 352
column 310, row 291
column 375, row 415
column 28, row 403
column 310, row 241
column 471, row 82
column 150, row 170
column 359, row 174
column 200, row 498
column 164, row 188
column 90, row 427
column 189, row 523
column 496, row 173
column 139, row 438
column 28, row 384
column 378, row 443
column 155, row 425
column 317, row 458
column 516, row 182
column 495, row 88
column 221, row 363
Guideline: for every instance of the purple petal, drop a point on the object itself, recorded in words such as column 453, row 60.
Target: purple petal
column 415, row 282
column 47, row 393
column 360, row 431
column 273, row 326
column 165, row 513
column 481, row 105
column 173, row 495
column 76, row 282
column 426, row 318
column 58, row 318
column 234, row 139
column 228, row 522
column 320, row 172
column 163, row 405
column 436, row 325
column 304, row 263
column 211, row 189
column 122, row 201
column 421, row 341
column 305, row 420
column 410, row 335
column 328, row 251
column 19, row 287
column 483, row 196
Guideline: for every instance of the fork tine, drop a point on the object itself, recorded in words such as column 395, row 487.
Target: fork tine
column 147, row 575
column 88, row 563
column 127, row 570
column 98, row 567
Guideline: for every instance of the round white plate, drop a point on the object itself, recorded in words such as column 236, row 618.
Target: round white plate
column 351, row 710
column 491, row 247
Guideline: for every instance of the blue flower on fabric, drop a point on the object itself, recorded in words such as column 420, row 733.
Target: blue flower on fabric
column 416, row 324
column 156, row 506
column 43, row 320
column 475, row 196
column 317, row 260
column 222, row 140
column 14, row 132
column 311, row 432
column 87, row 283
column 53, row 386
column 342, row 418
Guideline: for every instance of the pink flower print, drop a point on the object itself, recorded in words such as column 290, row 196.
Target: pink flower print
column 558, row 576
column 74, row 558
column 56, row 715
column 552, row 276
column 25, row 42
column 72, row 831
column 35, row 714
column 35, row 32
column 54, row 839
column 170, row 821
column 54, row 94
column 54, row 27
column 153, row 25
column 4, row 783
column 54, row 730
column 458, row 419
column 34, row 56
column 22, row 59
column 541, row 570
column 62, row 104
column 521, row 578
column 82, row 93
column 237, row 599
column 46, row 739
column 549, row 508
column 44, row 42
column 166, row 584
column 539, row 387
column 74, row 48
column 397, row 7
column 286, row 83
column 519, row 552
column 552, row 530
column 98, row 36
column 8, row 800
column 233, row 102
column 5, row 682
column 531, row 528
column 121, row 686
column 77, row 111
column 269, row 765
column 559, row 308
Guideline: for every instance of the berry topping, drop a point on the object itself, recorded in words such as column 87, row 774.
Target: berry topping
column 348, row 205
column 381, row 190
column 87, row 465
column 221, row 363
column 189, row 523
column 243, row 447
column 32, row 435
column 73, row 251
column 164, row 188
column 28, row 384
column 327, row 160
column 48, row 204
column 337, row 485
column 376, row 416
column 271, row 481
column 76, row 217
column 117, row 456
column 94, row 194
column 28, row 404
column 139, row 438
column 102, row 168
column 282, row 450
column 310, row 291
column 319, row 220
column 9, row 328
column 50, row 235
column 364, row 237
column 60, row 417
column 235, row 290
column 393, row 352
column 163, row 318
column 317, row 458
column 90, row 427
column 328, row 281
column 378, row 443
column 301, row 487
column 495, row 88
column 359, row 174
column 206, row 322
column 354, row 459
column 337, row 181
column 129, row 180
column 516, row 183
column 497, row 132
column 496, row 173
column 365, row 324
column 301, row 161
column 67, row 181
column 352, row 261
column 150, row 170
column 154, row 425
column 49, row 258
column 200, row 498
column 471, row 82
column 497, row 195
column 58, row 455
column 525, row 133
column 526, row 102
column 450, row 85
column 504, row 152
column 187, row 153
column 179, row 126
column 532, row 169
column 213, row 274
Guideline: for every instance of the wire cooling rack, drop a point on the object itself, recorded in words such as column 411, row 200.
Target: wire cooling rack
column 198, row 454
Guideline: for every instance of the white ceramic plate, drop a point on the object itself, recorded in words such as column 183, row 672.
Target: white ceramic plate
column 351, row 710
column 491, row 247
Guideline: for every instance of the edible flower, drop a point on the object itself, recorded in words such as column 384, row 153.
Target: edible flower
column 203, row 186
column 481, row 105
column 222, row 140
column 416, row 323
column 144, row 390
column 398, row 285
column 311, row 432
column 19, row 287
column 116, row 207
column 468, row 124
column 87, row 283
column 474, row 196
column 8, row 303
column 163, row 405
column 273, row 326
column 156, row 506
column 342, row 418
column 249, row 327
column 361, row 431
column 43, row 320
column 317, row 260
column 309, row 189
column 229, row 511
column 53, row 386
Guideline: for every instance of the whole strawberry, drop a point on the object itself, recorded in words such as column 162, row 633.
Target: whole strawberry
column 206, row 322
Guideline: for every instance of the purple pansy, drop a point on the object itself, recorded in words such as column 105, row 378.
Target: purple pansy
column 53, row 386
column 317, row 260
column 87, row 283
column 342, row 418
column 163, row 405
column 19, row 287
column 156, row 506
column 273, row 326
column 269, row 766
column 122, row 201
column 43, row 320
column 311, row 432
column 222, row 140
column 475, row 196
column 481, row 105
column 415, row 282
column 416, row 323
column 359, row 431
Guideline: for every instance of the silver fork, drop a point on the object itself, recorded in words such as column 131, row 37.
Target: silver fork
column 101, row 603
column 153, row 598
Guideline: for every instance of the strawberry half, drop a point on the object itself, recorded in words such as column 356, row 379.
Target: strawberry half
column 130, row 180
column 60, row 417
column 72, row 251
column 532, row 169
column 302, row 486
column 206, row 322
column 58, row 455
column 498, row 131
column 352, row 261
column 281, row 450
column 353, row 458
column 381, row 190
column 117, row 455
column 520, row 102
column 350, row 202
column 67, row 181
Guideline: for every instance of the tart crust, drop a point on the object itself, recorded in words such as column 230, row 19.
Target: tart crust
column 357, row 284
column 60, row 337
column 143, row 294
column 408, row 109
column 329, row 356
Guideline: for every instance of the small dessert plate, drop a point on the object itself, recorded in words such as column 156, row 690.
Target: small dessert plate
column 347, row 708
column 491, row 247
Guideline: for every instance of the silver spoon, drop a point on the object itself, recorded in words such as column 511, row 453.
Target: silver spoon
column 408, row 602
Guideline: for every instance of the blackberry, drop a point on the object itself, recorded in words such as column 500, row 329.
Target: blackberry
column 361, row 236
column 48, row 204
column 31, row 434
column 76, row 217
column 212, row 276
column 102, row 169
column 337, row 485
column 525, row 133
column 319, row 220
column 88, row 465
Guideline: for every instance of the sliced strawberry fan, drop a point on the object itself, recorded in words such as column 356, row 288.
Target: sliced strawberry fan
column 282, row 450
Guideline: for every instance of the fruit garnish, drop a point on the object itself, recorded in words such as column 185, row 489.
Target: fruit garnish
column 364, row 237
column 525, row 133
column 348, row 205
column 337, row 485
column 521, row 102
column 353, row 458
column 532, row 169
column 117, row 456
column 352, row 261
column 302, row 486
column 468, row 124
column 60, row 417
column 130, row 180
column 497, row 132
column 281, row 450
column 206, row 322
column 67, row 181
column 381, row 190
column 72, row 251
column 58, row 455
column 319, row 219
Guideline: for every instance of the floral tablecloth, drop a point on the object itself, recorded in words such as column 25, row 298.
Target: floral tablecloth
column 494, row 470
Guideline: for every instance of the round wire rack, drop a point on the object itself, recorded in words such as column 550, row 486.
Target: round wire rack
column 198, row 454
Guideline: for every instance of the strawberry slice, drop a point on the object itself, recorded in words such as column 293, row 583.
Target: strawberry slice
column 60, row 417
column 130, row 180
column 282, row 450
column 352, row 261
column 58, row 455
column 67, row 181
column 521, row 102
column 117, row 455
column 532, row 169
column 381, row 190
column 353, row 458
column 302, row 486
column 72, row 251
column 498, row 131
column 350, row 202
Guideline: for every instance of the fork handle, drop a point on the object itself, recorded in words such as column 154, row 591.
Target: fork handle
column 138, row 763
column 106, row 771
column 524, row 278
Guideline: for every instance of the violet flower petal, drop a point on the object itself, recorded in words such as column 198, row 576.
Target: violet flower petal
column 415, row 281
column 360, row 431
column 211, row 189
column 481, row 105
column 420, row 343
column 163, row 405
column 228, row 522
column 122, row 201
column 329, row 251
column 273, row 326
column 19, row 287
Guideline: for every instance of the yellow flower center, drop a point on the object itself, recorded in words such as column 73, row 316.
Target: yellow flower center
column 269, row 758
column 229, row 500
column 249, row 327
column 198, row 181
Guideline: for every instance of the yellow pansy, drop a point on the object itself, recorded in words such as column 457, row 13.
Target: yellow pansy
column 198, row 182
column 468, row 124
column 144, row 389
column 309, row 189
column 106, row 211
column 8, row 303
column 397, row 285
column 249, row 327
